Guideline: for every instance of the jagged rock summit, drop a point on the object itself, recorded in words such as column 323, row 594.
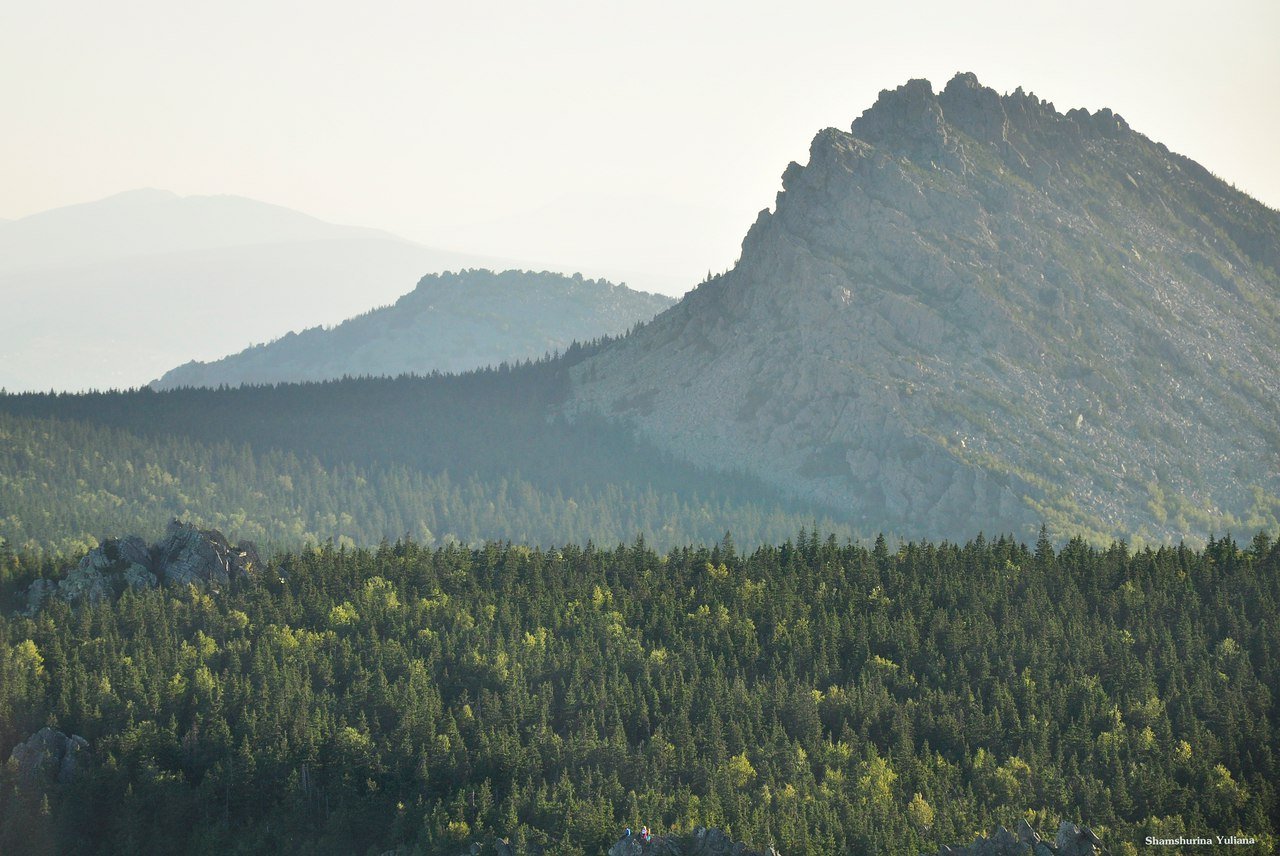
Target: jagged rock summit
column 451, row 322
column 972, row 311
column 700, row 842
column 186, row 555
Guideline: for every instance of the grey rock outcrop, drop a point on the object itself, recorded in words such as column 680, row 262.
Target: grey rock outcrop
column 109, row 568
column 1071, row 840
column 49, row 756
column 186, row 555
column 701, row 842
column 971, row 311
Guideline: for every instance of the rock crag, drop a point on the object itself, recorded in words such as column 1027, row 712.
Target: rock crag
column 186, row 555
column 49, row 757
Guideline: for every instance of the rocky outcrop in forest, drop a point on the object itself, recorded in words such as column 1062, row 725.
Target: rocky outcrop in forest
column 49, row 756
column 700, row 842
column 973, row 311
column 186, row 555
column 1071, row 840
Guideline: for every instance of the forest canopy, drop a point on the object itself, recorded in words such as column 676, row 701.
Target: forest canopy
column 824, row 697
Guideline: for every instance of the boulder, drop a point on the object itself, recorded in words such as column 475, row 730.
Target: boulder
column 134, row 550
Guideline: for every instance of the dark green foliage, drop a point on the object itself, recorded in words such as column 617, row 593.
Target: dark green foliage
column 803, row 695
column 469, row 458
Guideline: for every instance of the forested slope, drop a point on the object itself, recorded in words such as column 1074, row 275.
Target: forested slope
column 469, row 457
column 65, row 484
column 827, row 698
column 452, row 322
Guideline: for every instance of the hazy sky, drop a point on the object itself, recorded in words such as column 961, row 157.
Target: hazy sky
column 630, row 140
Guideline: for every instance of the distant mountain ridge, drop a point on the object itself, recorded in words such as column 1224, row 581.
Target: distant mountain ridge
column 451, row 322
column 111, row 294
column 151, row 222
column 973, row 308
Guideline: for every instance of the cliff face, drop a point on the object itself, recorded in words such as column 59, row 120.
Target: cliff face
column 451, row 322
column 973, row 310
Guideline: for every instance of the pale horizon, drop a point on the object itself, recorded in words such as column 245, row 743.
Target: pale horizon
column 631, row 144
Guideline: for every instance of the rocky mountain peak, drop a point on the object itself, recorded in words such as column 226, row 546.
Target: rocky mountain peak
column 908, row 116
column 973, row 308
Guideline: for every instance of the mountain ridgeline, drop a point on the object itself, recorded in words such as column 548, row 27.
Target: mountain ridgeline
column 969, row 313
column 972, row 309
column 452, row 322
column 157, row 279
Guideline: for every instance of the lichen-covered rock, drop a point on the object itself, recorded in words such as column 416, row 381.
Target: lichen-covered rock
column 187, row 556
column 86, row 582
column 49, row 756
column 138, row 578
column 132, row 549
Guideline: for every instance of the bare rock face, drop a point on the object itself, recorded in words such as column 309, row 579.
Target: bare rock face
column 186, row 555
column 702, row 842
column 49, row 756
column 971, row 311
